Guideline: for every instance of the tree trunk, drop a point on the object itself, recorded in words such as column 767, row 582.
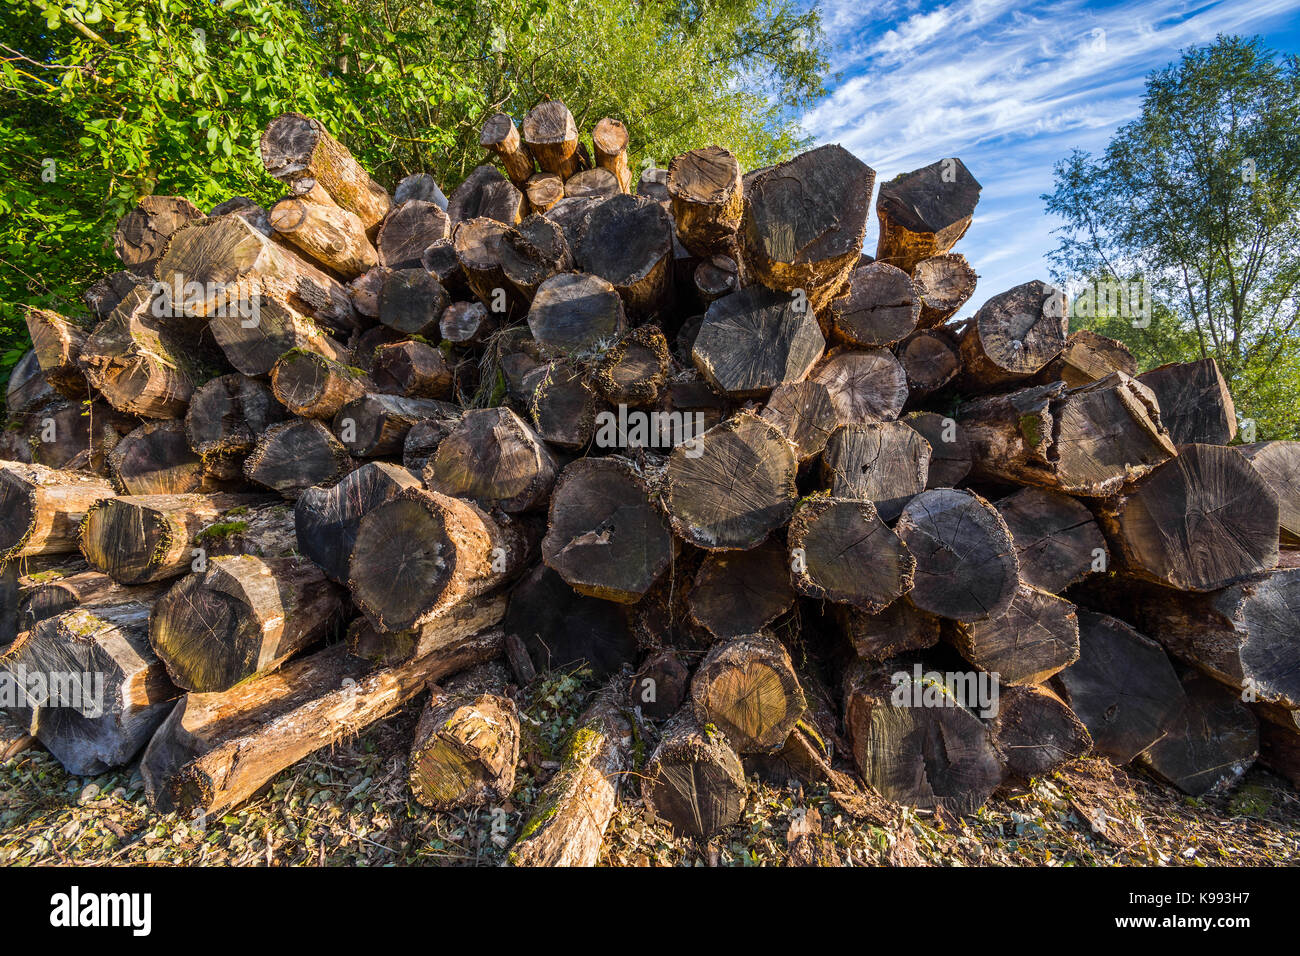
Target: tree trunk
column 552, row 138
column 886, row 463
column 705, row 188
column 628, row 241
column 224, row 420
column 754, row 340
column 493, row 457
column 156, row 459
column 1035, row 732
column 254, row 345
column 930, row 359
column 923, row 213
column 292, row 456
column 747, row 688
column 866, row 386
column 329, row 235
column 694, row 781
column 878, row 308
column 41, row 509
column 1013, row 335
column 411, row 369
column 841, row 551
column 1195, row 404
column 1057, row 540
column 572, row 312
column 499, row 136
column 944, row 284
column 1037, row 637
column 142, row 234
column 1278, row 463
column 313, row 386
column 805, row 414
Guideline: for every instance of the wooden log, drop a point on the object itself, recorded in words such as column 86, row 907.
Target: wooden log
column 1198, row 523
column 142, row 234
column 570, row 214
column 694, row 781
column 313, row 386
column 55, row 594
column 485, row 194
column 421, row 186
column 865, row 386
column 478, row 250
column 715, row 277
column 412, row 369
column 842, row 551
column 225, row 418
column 597, row 183
column 329, row 235
column 1034, row 732
column 754, row 340
column 364, row 344
column 804, row 222
column 14, row 738
column 564, row 407
column 532, row 252
column 246, row 209
column 898, row 628
column 561, row 629
column 41, row 509
column 242, row 617
column 572, row 813
column 1057, row 541
column 886, row 463
column 609, row 140
column 966, row 565
column 635, row 369
column 59, row 436
column 930, row 359
column 915, row 743
column 253, row 345
column 57, row 342
column 494, row 457
column 294, row 455
column 389, row 648
column 741, row 592
column 407, row 231
column 440, row 259
column 411, row 302
column 747, row 688
column 660, row 685
column 1278, row 463
column 106, row 293
column 923, row 213
column 628, row 241
column 27, row 389
column 376, row 424
column 1037, row 637
column 216, row 751
column 944, row 283
column 605, row 537
column 1195, row 404
column 499, row 136
column 1013, row 335
column 543, row 190
column 420, row 553
column 552, row 138
column 707, row 199
column 1122, row 687
column 878, row 307
column 1088, row 357
column 300, row 152
column 465, row 323
column 805, row 414
column 104, row 691
column 732, row 486
column 1211, row 742
column 138, row 539
column 573, row 311
column 156, row 459
column 653, row 184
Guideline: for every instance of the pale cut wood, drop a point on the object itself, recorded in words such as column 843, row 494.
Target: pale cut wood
column 330, row 235
column 499, row 136
column 41, row 509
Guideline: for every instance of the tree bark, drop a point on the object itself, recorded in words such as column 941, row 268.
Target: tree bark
column 635, row 370
column 55, row 594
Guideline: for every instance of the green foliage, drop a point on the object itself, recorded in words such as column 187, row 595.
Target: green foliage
column 1200, row 197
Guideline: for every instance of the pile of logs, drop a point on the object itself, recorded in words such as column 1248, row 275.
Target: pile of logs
column 299, row 465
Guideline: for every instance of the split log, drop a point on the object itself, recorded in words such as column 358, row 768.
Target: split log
column 572, row 311
column 485, row 194
column 804, row 222
column 55, row 594
column 500, row 137
column 1195, row 404
column 532, row 252
column 57, row 342
column 1200, row 522
column 635, row 369
column 138, row 539
column 493, row 457
column 407, row 231
column 1122, row 687
column 313, row 386
column 552, row 138
column 563, row 408
column 741, row 592
column 330, row 235
column 878, row 307
column 930, row 359
column 705, row 188
column 747, row 688
column 142, row 234
column 1088, row 357
column 411, row 301
column 966, row 566
column 886, row 463
column 253, row 345
column 1278, row 463
column 156, row 459
column 732, row 486
column 1037, row 637
column 898, row 628
column 27, row 389
column 659, row 685
column 543, row 190
column 610, row 140
column 805, row 414
column 841, row 551
column 375, row 425
column 754, row 340
column 595, row 183
column 1014, row 334
column 300, row 152
column 412, row 369
column 41, row 509
column 866, row 386
column 1057, row 541
column 561, row 629
column 923, row 213
column 225, row 418
column 465, row 323
column 1034, row 731
column 242, row 617
column 628, row 241
column 944, row 284
column 574, row 810
column 292, row 456
column 694, row 781
column 217, row 750
column 1211, row 742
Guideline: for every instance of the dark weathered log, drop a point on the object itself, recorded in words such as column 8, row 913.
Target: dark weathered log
column 51, row 594
column 660, row 685
column 898, row 628
column 1278, row 463
column 1056, row 538
column 388, row 648
column 225, row 418
column 60, row 435
column 694, row 781
column 610, row 140
column 376, row 424
column 886, row 463
column 363, row 345
column 653, row 184
column 705, row 188
column 253, row 345
column 532, row 252
column 1199, row 522
column 915, row 742
column 741, row 592
column 564, row 407
column 747, row 688
column 1034, row 731
column 329, row 235
column 486, row 194
column 1037, row 637
column 137, row 539
column 866, row 386
column 422, row 442
column 878, row 307
column 944, row 284
column 500, row 137
column 572, row 311
column 291, row 456
column 245, row 209
column 597, row 183
column 408, row 230
column 1195, row 404
column 412, row 369
column 628, row 241
column 14, row 738
column 411, row 301
column 493, row 456
column 552, row 138
column 57, row 342
column 715, row 277
column 966, row 566
column 561, row 629
column 570, row 214
column 841, row 551
column 21, row 578
column 300, row 152
column 440, row 259
column 107, row 293
column 635, row 369
column 420, row 186
column 804, row 222
column 930, row 359
column 1088, row 357
column 1210, row 743
column 465, row 323
column 1014, row 334
column 754, row 340
column 732, row 486
column 1122, row 687
column 41, row 509
column 156, row 459
column 544, row 190
column 104, row 690
column 142, row 234
column 805, row 414
column 923, row 213
column 571, row 814
column 313, row 386
column 478, row 250
column 217, row 750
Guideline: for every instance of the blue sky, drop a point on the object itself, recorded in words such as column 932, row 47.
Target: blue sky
column 1010, row 87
